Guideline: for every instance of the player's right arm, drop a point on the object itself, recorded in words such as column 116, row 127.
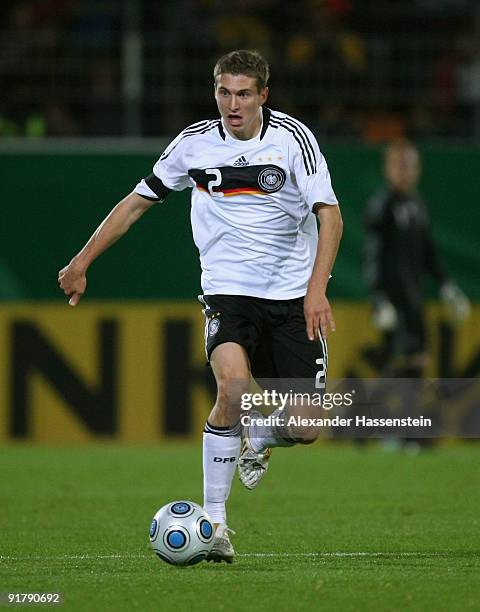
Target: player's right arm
column 170, row 173
column 72, row 278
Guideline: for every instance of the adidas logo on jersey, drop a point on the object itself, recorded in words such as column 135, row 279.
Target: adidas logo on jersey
column 241, row 161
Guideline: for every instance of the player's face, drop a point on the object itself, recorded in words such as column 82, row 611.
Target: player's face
column 402, row 169
column 239, row 103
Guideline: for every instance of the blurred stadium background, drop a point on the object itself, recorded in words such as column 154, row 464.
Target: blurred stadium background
column 92, row 90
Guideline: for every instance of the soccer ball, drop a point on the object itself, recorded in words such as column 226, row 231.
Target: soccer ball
column 181, row 533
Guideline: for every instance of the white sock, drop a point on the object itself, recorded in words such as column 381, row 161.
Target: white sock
column 268, row 436
column 220, row 457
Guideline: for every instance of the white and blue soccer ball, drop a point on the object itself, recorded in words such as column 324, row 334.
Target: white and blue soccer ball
column 182, row 533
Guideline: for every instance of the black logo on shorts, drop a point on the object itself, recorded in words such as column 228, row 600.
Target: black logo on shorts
column 271, row 179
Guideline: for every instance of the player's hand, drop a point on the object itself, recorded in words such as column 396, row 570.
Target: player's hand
column 73, row 281
column 318, row 315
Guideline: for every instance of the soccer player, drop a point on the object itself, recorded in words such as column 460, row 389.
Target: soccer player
column 259, row 185
column 399, row 253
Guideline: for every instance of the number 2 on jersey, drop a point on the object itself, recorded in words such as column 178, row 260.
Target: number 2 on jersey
column 214, row 182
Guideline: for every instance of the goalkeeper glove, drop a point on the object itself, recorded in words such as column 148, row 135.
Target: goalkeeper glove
column 455, row 301
column 384, row 316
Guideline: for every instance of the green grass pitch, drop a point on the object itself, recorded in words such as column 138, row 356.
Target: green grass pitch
column 330, row 527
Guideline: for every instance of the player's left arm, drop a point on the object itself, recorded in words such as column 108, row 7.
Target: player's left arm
column 313, row 179
column 457, row 303
column 318, row 313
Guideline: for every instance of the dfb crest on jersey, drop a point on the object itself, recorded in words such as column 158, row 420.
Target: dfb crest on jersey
column 271, row 179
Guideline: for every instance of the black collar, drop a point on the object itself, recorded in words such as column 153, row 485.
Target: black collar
column 221, row 130
column 266, row 112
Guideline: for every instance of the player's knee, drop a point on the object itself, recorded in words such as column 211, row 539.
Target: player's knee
column 230, row 366
column 231, row 372
column 305, row 430
column 307, row 433
column 309, row 437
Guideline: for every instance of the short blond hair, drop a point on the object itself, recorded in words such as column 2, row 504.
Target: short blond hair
column 242, row 61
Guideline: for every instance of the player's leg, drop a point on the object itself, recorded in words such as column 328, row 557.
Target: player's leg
column 231, row 330
column 252, row 463
column 295, row 358
column 221, row 440
column 413, row 341
column 288, row 356
column 281, row 430
column 412, row 361
column 222, row 432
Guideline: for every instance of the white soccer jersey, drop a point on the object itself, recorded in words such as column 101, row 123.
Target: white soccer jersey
column 252, row 203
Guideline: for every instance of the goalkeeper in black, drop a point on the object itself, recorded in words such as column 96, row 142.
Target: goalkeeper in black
column 399, row 254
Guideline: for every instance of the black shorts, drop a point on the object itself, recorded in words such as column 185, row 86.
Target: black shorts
column 273, row 333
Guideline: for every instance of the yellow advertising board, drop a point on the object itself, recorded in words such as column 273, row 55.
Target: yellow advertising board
column 136, row 372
